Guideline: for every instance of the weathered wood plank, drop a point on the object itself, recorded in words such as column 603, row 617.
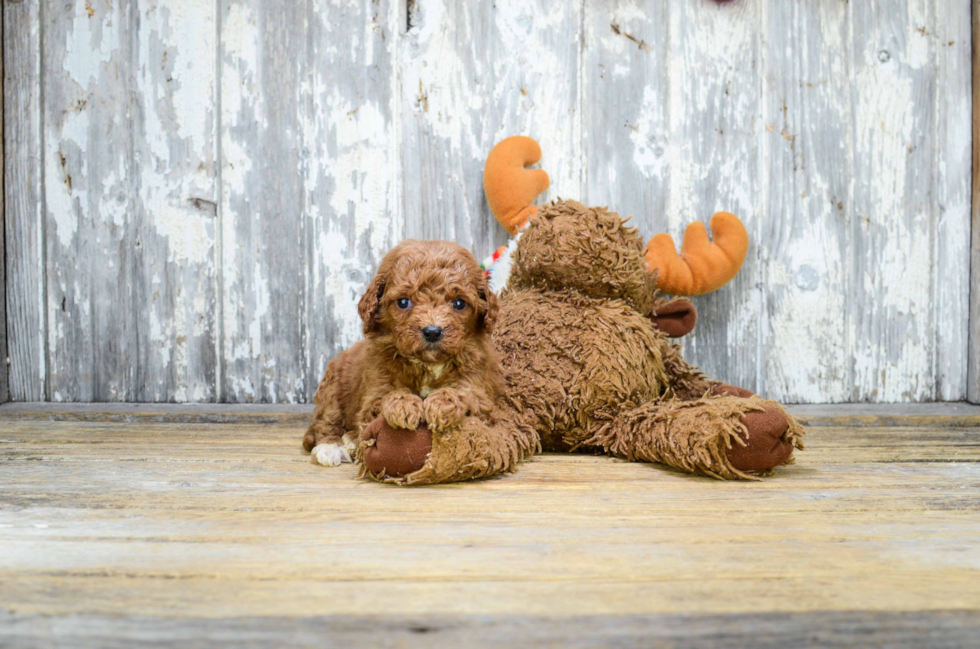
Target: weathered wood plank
column 263, row 232
column 210, row 596
column 350, row 170
column 4, row 364
column 626, row 137
column 803, row 246
column 471, row 74
column 813, row 629
column 129, row 300
column 24, row 228
column 715, row 130
column 845, row 442
column 951, row 44
column 90, row 189
column 892, row 296
column 973, row 378
column 933, row 415
column 304, row 88
column 175, row 140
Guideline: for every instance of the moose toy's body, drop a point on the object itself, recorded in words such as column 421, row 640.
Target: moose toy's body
column 585, row 366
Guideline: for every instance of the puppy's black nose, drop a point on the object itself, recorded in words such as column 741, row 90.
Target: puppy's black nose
column 432, row 333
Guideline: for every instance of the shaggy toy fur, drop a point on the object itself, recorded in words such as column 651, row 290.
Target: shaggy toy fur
column 585, row 367
column 580, row 352
column 449, row 383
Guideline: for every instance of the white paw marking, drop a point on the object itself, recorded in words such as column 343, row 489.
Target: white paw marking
column 350, row 446
column 329, row 455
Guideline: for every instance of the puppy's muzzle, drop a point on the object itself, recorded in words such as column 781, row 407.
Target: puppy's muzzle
column 432, row 333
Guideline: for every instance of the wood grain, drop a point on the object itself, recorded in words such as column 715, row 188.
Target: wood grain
column 175, row 144
column 90, row 202
column 804, row 245
column 4, row 364
column 626, row 139
column 263, row 232
column 921, row 415
column 973, row 382
column 951, row 44
column 193, row 522
column 24, row 230
column 351, row 172
column 307, row 186
column 767, row 630
column 894, row 58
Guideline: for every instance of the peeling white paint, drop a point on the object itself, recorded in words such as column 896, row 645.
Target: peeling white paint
column 261, row 287
column 91, row 42
column 953, row 196
column 349, row 185
column 61, row 202
column 855, row 286
column 337, row 260
column 240, row 43
column 898, row 277
column 649, row 150
column 188, row 232
column 190, row 52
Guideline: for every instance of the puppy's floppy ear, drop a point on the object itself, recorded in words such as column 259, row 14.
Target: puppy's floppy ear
column 370, row 302
column 489, row 307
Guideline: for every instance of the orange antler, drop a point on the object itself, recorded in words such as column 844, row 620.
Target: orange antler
column 703, row 266
column 510, row 187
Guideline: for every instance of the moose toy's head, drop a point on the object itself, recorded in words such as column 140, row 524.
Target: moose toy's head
column 568, row 246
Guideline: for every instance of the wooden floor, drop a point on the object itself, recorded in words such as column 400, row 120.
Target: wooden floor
column 114, row 533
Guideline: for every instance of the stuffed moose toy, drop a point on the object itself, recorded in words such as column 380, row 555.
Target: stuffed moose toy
column 581, row 337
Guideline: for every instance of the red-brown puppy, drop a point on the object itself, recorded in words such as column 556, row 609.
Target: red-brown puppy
column 426, row 357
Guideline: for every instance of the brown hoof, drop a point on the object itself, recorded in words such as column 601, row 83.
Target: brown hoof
column 395, row 452
column 676, row 318
column 726, row 390
column 765, row 447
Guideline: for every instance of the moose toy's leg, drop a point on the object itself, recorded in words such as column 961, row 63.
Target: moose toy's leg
column 475, row 449
column 387, row 452
column 771, row 423
column 723, row 436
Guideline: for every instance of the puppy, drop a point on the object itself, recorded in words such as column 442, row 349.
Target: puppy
column 426, row 357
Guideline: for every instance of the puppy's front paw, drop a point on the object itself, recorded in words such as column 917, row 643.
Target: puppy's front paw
column 443, row 409
column 329, row 455
column 402, row 410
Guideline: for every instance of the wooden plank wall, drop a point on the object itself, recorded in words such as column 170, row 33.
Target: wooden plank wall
column 198, row 192
column 23, row 225
column 973, row 378
column 4, row 391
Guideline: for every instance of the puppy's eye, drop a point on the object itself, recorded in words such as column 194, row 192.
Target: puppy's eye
column 459, row 304
column 404, row 303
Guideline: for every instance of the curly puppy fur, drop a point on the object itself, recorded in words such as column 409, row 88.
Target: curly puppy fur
column 396, row 372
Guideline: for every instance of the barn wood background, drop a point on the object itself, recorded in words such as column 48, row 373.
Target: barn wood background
column 197, row 192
